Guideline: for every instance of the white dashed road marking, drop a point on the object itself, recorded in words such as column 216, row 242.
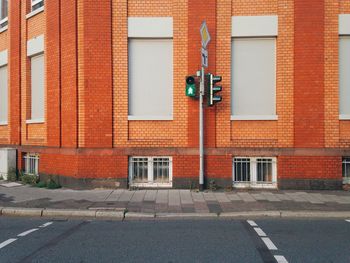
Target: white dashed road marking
column 269, row 243
column 7, row 242
column 281, row 259
column 252, row 223
column 28, row 232
column 260, row 232
column 348, row 220
column 46, row 224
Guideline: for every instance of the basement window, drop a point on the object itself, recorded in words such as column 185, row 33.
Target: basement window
column 346, row 170
column 31, row 164
column 150, row 171
column 36, row 4
column 257, row 172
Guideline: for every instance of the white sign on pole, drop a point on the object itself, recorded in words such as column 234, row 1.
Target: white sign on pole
column 204, row 56
column 205, row 34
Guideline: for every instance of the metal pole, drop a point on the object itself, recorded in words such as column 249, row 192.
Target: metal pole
column 201, row 132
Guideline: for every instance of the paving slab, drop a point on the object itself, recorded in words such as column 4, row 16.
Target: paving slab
column 162, row 197
column 114, row 196
column 259, row 197
column 209, row 196
column 150, row 195
column 126, row 196
column 11, row 184
column 186, row 197
column 174, row 198
column 222, row 198
column 138, row 196
column 270, row 197
column 234, row 197
column 246, row 197
column 197, row 197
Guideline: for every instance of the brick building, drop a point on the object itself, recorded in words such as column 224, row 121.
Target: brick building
column 93, row 93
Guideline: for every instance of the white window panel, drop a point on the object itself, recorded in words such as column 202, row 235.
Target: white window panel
column 346, row 170
column 150, row 79
column 150, row 171
column 31, row 164
column 37, row 88
column 36, row 4
column 253, row 80
column 344, row 77
column 255, row 172
column 3, row 95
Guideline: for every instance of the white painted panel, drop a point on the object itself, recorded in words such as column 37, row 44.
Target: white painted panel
column 148, row 27
column 35, row 46
column 249, row 26
column 151, row 78
column 3, row 95
column 37, row 87
column 344, row 75
column 7, row 161
column 344, row 24
column 3, row 58
column 253, row 80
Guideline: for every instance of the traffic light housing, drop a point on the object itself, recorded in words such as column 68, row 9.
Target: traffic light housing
column 190, row 86
column 213, row 89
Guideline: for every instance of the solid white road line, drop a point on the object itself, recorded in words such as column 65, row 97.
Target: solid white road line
column 7, row 242
column 268, row 243
column 260, row 232
column 281, row 259
column 27, row 232
column 348, row 220
column 46, row 224
column 252, row 223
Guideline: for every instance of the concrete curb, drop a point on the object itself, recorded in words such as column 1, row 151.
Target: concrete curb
column 121, row 215
column 186, row 215
column 68, row 213
column 251, row 214
column 15, row 211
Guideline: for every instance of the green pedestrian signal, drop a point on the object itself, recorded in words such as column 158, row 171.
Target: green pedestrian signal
column 190, row 86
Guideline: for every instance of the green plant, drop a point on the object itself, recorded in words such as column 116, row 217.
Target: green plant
column 30, row 179
column 53, row 185
column 12, row 175
column 41, row 184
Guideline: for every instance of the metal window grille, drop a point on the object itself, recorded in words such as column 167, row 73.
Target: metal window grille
column 154, row 171
column 242, row 170
column 255, row 172
column 346, row 170
column 37, row 4
column 264, row 170
column 31, row 164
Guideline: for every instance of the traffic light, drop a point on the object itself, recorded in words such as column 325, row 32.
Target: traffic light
column 212, row 89
column 190, row 86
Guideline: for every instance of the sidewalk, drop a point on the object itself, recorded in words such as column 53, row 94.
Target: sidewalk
column 158, row 203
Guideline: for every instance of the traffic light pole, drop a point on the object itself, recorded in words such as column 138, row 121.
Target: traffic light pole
column 201, row 132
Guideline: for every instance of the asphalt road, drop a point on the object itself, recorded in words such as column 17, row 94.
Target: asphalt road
column 259, row 240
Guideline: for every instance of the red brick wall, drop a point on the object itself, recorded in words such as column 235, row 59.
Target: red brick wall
column 309, row 167
column 309, row 74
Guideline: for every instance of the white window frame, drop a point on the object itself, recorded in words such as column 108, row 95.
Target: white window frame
column 5, row 122
column 150, row 182
column 253, row 183
column 346, row 163
column 30, row 160
column 4, row 21
column 37, row 120
column 274, row 117
column 343, row 116
column 35, row 2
